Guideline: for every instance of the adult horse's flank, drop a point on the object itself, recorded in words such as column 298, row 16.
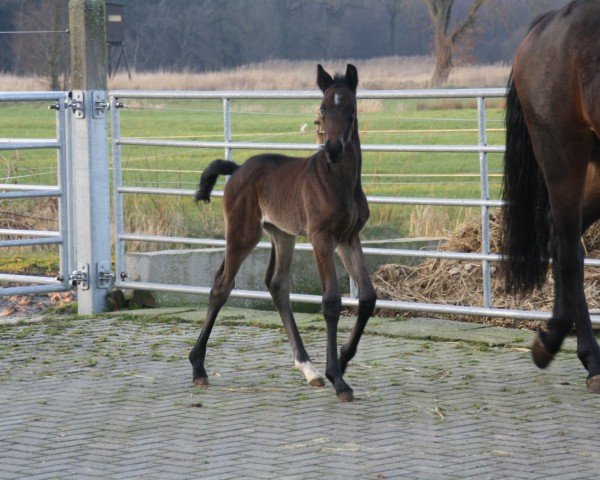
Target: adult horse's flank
column 552, row 170
column 321, row 197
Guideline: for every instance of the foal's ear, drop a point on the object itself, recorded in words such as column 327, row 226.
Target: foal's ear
column 351, row 77
column 324, row 80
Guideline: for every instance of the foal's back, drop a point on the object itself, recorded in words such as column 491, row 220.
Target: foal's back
column 282, row 191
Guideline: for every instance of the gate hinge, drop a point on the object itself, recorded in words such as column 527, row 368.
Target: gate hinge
column 81, row 277
column 76, row 102
column 100, row 104
column 106, row 278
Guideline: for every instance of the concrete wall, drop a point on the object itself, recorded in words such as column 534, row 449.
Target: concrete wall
column 198, row 267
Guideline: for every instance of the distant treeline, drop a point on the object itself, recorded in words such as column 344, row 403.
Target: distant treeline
column 205, row 35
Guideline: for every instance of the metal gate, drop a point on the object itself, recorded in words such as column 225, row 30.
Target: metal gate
column 62, row 237
column 484, row 202
column 70, row 268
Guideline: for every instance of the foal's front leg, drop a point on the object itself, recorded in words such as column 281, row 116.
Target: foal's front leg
column 353, row 259
column 324, row 250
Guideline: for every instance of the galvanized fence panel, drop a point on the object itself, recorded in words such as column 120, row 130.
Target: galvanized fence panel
column 484, row 202
column 41, row 284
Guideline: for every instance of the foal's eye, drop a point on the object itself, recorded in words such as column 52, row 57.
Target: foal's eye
column 322, row 112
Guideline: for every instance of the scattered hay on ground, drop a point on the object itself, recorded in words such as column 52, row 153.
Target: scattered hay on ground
column 459, row 282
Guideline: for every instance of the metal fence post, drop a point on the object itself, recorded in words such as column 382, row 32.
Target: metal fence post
column 64, row 219
column 70, row 192
column 89, row 132
column 227, row 126
column 115, row 121
column 485, row 210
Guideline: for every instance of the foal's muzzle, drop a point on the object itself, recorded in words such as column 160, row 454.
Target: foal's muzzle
column 334, row 151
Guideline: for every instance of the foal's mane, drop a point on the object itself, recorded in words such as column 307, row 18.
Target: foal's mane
column 339, row 80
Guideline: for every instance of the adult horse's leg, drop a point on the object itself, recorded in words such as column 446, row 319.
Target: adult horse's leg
column 278, row 283
column 238, row 248
column 566, row 193
column 324, row 250
column 353, row 259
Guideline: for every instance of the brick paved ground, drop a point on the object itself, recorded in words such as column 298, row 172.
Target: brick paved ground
column 112, row 398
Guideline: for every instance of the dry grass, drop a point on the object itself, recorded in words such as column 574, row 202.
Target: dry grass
column 9, row 83
column 30, row 214
column 379, row 73
column 460, row 283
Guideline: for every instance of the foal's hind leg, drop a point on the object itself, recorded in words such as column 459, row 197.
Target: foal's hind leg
column 278, row 283
column 238, row 248
column 353, row 259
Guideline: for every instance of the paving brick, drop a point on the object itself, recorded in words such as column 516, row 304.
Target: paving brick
column 425, row 408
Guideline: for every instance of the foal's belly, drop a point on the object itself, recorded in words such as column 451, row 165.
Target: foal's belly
column 285, row 223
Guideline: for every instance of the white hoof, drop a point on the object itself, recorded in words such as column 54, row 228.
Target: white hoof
column 313, row 377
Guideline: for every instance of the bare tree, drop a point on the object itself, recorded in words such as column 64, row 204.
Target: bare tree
column 445, row 39
column 333, row 12
column 43, row 54
column 393, row 9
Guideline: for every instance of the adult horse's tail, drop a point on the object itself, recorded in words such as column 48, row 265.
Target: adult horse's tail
column 209, row 177
column 526, row 229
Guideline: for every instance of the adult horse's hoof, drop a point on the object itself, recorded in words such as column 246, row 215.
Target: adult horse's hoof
column 593, row 384
column 201, row 382
column 541, row 356
column 346, row 396
column 317, row 382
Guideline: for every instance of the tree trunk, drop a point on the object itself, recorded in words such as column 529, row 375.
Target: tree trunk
column 443, row 61
column 445, row 41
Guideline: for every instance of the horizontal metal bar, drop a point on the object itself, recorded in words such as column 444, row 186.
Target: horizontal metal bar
column 205, row 242
column 37, row 289
column 165, row 191
column 21, row 186
column 353, row 302
column 8, row 277
column 309, row 146
column 31, row 96
column 451, row 202
column 307, row 247
column 27, row 143
column 315, row 94
column 31, row 194
column 30, row 241
column 29, row 233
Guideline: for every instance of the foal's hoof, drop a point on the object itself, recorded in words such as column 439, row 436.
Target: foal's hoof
column 318, row 382
column 345, row 397
column 541, row 356
column 201, row 382
column 593, row 384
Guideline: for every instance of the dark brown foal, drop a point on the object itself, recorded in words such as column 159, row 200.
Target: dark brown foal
column 321, row 197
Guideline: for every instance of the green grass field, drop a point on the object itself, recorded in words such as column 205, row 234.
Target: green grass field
column 440, row 175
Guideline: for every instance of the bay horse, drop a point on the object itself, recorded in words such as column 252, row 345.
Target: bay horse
column 320, row 197
column 552, row 171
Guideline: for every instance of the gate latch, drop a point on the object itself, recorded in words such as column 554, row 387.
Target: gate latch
column 105, row 277
column 80, row 277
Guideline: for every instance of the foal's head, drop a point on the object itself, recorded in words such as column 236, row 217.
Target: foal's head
column 338, row 110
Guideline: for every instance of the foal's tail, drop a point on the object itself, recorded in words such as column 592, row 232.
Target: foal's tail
column 526, row 228
column 209, row 178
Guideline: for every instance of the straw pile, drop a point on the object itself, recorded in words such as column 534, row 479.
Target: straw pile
column 460, row 283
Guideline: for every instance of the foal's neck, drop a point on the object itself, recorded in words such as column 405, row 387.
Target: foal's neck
column 352, row 159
